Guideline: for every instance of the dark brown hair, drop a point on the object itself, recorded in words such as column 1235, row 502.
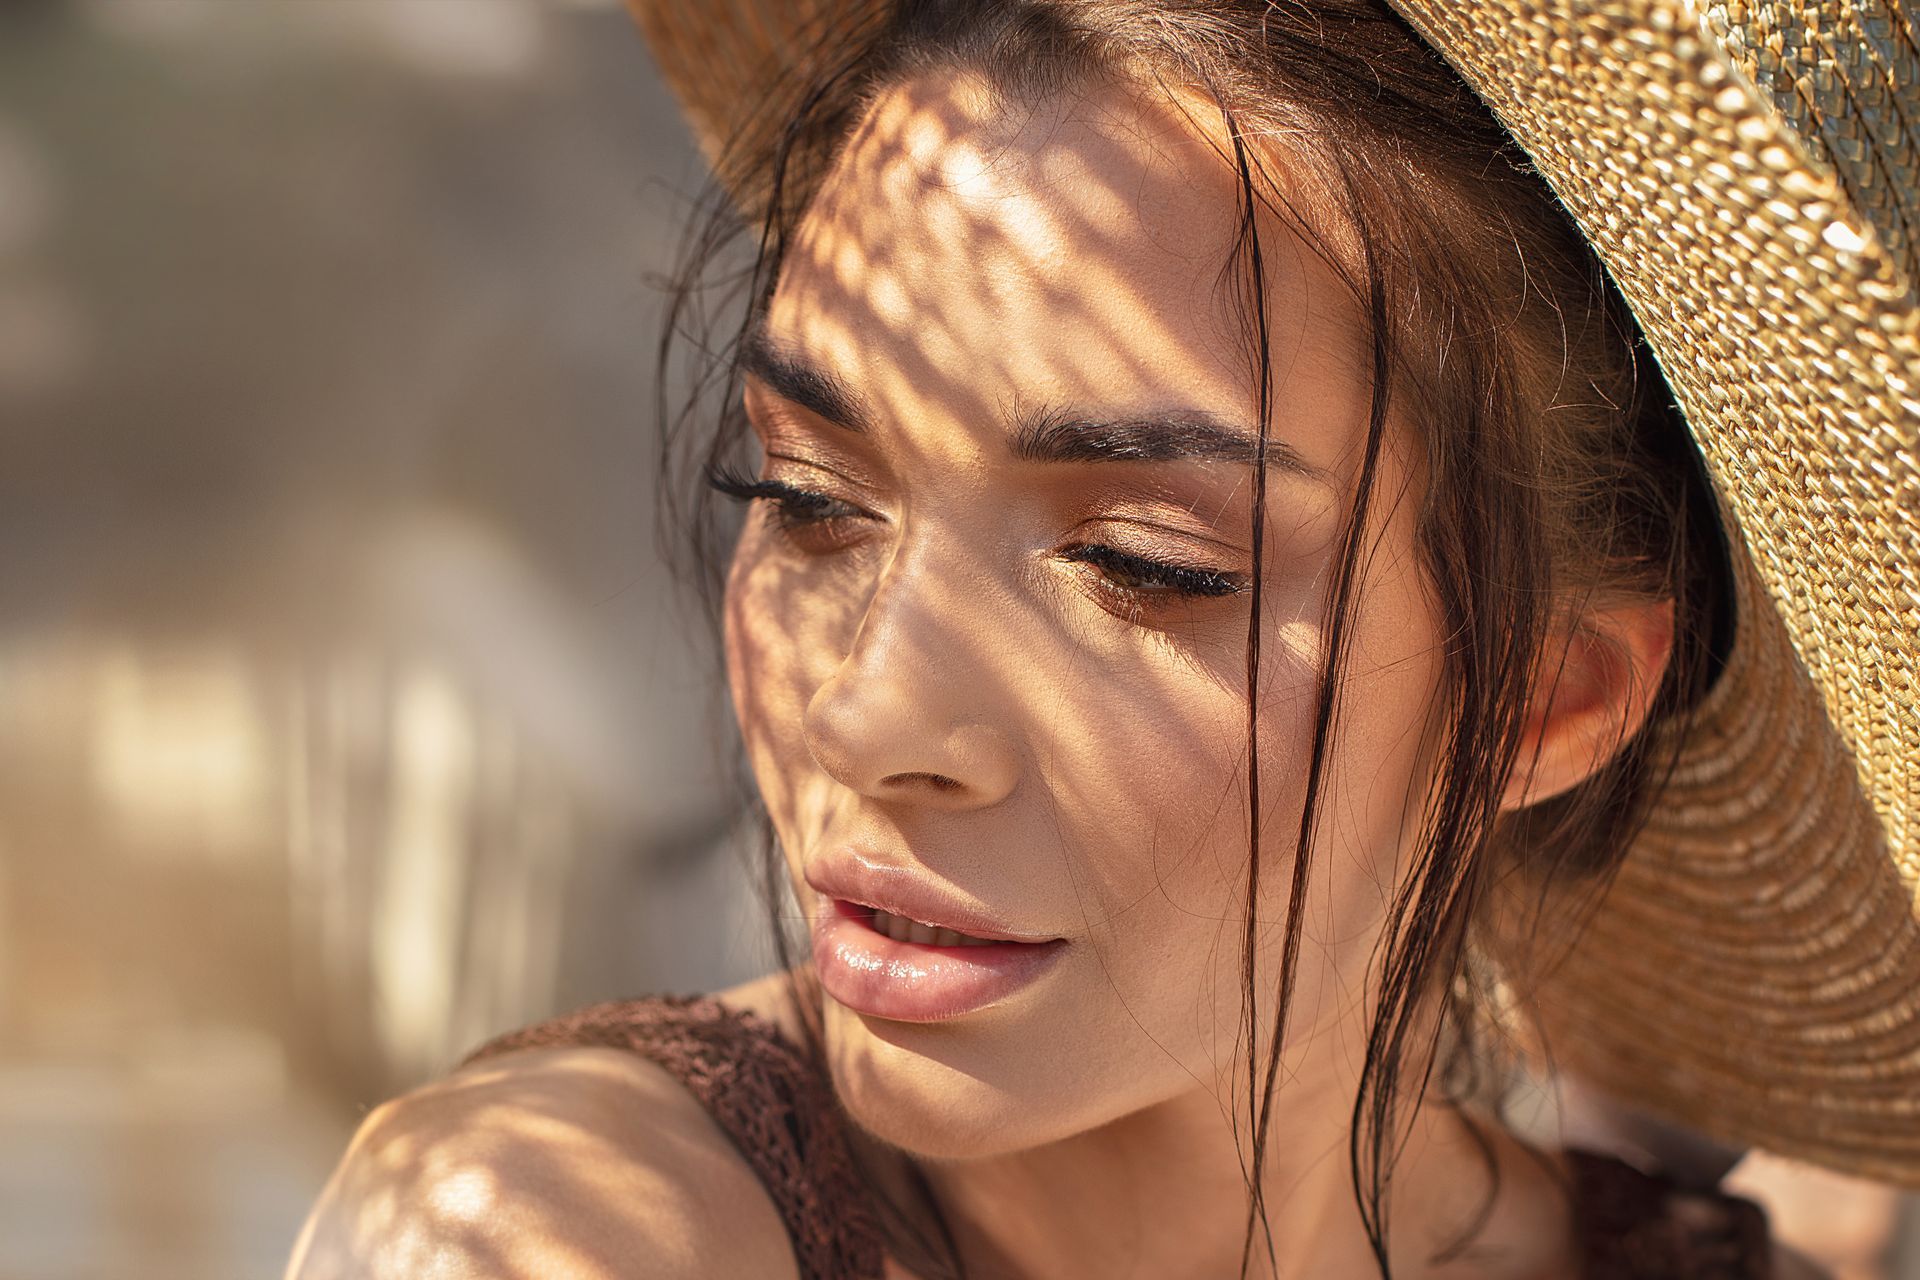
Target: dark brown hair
column 1555, row 467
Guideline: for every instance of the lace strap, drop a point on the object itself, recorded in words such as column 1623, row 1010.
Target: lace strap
column 764, row 1094
column 1633, row 1226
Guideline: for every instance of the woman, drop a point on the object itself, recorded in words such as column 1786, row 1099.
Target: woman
column 1237, row 651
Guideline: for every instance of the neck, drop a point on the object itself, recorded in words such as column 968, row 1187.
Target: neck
column 1160, row 1193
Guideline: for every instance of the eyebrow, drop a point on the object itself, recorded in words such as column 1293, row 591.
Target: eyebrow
column 792, row 376
column 1039, row 435
column 1178, row 435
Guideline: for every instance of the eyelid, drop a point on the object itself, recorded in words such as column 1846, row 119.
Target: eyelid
column 825, row 479
column 773, row 454
column 772, row 415
column 1160, row 541
column 848, row 459
column 1162, row 530
column 774, row 489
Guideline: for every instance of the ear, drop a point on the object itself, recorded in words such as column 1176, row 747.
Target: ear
column 1595, row 685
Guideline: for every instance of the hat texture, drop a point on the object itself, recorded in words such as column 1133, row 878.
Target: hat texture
column 1750, row 174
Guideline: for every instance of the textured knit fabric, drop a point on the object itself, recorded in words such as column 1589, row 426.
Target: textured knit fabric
column 765, row 1095
column 1635, row 1227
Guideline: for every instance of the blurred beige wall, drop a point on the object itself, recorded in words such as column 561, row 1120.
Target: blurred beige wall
column 346, row 716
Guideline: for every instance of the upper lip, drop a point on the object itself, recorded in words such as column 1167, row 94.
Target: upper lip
column 907, row 891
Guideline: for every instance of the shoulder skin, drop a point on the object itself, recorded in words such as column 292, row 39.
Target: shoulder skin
column 549, row 1164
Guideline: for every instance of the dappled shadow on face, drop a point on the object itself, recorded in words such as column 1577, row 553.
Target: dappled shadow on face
column 949, row 680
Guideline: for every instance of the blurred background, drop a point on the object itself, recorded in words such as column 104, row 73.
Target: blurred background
column 347, row 714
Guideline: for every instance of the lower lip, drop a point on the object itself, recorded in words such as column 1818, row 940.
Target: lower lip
column 870, row 973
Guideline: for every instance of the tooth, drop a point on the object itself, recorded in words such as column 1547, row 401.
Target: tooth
column 899, row 928
column 945, row 938
column 921, row 933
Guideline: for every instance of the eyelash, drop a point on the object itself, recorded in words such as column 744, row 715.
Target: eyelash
column 1138, row 578
column 792, row 508
column 1153, row 577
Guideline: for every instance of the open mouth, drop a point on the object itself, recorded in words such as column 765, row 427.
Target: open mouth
column 893, row 966
column 905, row 929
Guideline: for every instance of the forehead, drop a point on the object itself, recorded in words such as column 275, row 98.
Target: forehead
column 989, row 251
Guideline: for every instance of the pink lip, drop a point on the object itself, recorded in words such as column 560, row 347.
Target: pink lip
column 871, row 973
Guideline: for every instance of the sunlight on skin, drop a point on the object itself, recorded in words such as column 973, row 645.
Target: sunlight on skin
column 570, row 1162
column 949, row 276
column 465, row 1195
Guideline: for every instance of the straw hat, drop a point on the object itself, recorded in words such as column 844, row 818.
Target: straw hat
column 1750, row 173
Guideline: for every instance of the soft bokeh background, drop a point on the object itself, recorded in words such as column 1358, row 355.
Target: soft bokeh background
column 346, row 713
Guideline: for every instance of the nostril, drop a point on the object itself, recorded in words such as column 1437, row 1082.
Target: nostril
column 938, row 781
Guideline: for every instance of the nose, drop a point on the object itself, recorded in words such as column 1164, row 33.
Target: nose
column 909, row 714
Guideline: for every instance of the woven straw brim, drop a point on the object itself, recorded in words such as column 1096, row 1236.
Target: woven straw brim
column 1747, row 173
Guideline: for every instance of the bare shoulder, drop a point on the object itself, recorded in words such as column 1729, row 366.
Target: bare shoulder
column 581, row 1163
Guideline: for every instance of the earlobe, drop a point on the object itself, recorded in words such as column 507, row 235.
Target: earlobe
column 1595, row 686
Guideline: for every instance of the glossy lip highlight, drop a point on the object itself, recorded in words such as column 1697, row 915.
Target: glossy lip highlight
column 882, row 977
column 873, row 974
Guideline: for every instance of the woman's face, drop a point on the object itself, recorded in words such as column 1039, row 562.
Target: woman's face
column 988, row 631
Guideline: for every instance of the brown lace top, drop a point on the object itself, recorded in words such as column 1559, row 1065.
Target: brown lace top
column 765, row 1095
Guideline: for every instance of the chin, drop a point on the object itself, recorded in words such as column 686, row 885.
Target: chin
column 899, row 1085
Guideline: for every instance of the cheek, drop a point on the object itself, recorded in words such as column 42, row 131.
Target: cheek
column 1157, row 802
column 1147, row 789
column 1151, row 787
column 1369, row 804
column 775, row 633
